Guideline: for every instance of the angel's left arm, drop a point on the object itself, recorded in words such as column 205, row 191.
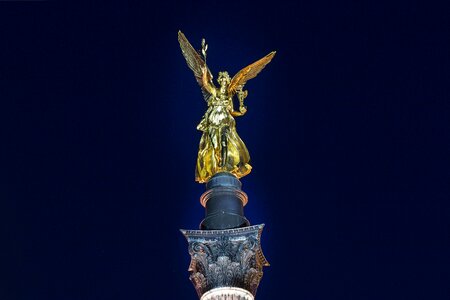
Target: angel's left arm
column 242, row 109
column 239, row 113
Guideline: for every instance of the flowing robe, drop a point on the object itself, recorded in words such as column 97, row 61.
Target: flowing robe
column 221, row 149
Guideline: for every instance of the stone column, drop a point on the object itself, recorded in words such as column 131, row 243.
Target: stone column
column 226, row 256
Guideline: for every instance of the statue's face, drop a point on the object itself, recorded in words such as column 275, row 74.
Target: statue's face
column 223, row 80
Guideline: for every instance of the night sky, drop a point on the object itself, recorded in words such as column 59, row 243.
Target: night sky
column 347, row 128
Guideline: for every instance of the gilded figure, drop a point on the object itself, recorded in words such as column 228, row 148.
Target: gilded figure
column 221, row 149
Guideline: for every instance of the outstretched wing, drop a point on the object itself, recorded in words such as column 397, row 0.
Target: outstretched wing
column 196, row 64
column 249, row 72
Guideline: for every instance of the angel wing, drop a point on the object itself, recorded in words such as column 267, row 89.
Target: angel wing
column 249, row 72
column 197, row 65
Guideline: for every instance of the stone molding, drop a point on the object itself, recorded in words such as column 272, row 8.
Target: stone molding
column 227, row 293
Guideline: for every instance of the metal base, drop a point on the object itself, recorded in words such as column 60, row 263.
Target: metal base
column 224, row 203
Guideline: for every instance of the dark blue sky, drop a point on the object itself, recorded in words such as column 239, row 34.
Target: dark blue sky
column 347, row 128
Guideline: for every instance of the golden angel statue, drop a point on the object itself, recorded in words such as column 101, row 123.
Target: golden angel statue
column 221, row 149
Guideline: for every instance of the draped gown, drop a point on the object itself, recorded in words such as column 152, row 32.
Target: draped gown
column 221, row 149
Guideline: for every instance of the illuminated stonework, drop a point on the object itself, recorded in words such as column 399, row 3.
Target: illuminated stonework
column 227, row 293
column 226, row 258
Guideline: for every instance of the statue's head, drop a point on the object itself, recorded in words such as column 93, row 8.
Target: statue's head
column 223, row 79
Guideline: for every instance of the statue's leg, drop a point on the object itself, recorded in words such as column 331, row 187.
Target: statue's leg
column 215, row 150
column 224, row 146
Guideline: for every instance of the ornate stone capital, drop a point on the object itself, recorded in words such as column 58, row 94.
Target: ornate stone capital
column 226, row 258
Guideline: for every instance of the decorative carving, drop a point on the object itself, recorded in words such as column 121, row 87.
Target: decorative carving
column 226, row 258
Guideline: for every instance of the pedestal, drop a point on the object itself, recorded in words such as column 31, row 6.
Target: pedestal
column 226, row 256
column 224, row 203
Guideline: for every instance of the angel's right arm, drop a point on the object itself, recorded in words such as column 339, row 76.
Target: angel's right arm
column 206, row 82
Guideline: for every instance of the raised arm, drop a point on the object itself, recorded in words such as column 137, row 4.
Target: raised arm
column 196, row 63
column 207, row 81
